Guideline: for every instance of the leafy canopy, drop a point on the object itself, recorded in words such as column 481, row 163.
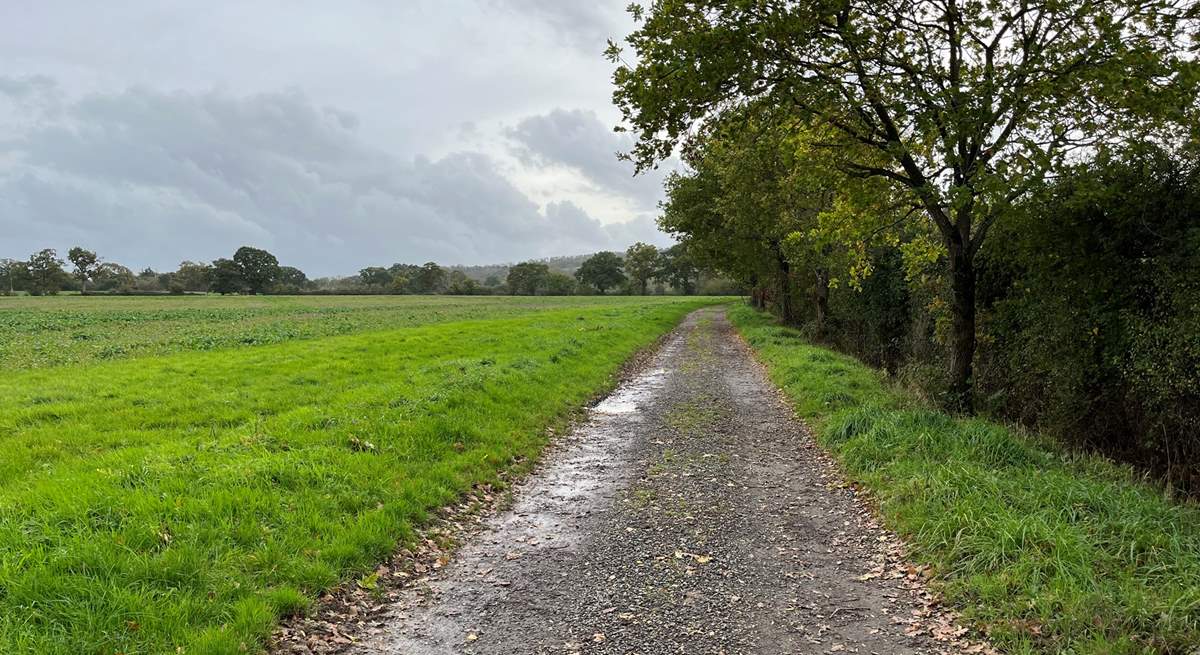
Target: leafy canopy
column 968, row 102
column 641, row 263
column 602, row 271
column 527, row 278
column 258, row 268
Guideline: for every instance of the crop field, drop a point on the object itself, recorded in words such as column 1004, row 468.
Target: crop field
column 50, row 331
column 178, row 473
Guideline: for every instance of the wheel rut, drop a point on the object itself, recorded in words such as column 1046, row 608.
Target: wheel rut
column 691, row 513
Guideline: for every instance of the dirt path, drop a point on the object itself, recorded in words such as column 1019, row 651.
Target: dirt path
column 690, row 514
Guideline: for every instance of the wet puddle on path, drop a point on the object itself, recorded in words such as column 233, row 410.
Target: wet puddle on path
column 582, row 474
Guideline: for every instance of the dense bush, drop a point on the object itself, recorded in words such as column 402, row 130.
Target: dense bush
column 876, row 321
column 1089, row 313
column 1092, row 299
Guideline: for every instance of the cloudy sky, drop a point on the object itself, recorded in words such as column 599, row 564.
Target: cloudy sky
column 334, row 134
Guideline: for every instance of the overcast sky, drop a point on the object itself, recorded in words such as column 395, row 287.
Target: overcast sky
column 334, row 134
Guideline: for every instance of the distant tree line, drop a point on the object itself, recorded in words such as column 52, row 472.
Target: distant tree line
column 642, row 270
column 249, row 271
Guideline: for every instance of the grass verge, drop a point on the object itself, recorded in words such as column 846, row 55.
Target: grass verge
column 1046, row 551
column 183, row 503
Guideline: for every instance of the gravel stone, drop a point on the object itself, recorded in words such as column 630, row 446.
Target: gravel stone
column 690, row 513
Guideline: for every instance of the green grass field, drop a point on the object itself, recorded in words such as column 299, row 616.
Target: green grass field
column 1047, row 551
column 178, row 473
column 56, row 330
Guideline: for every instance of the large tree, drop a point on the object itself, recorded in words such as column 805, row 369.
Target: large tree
column 85, row 262
column 193, row 276
column 226, row 277
column 429, row 278
column 602, row 271
column 259, row 269
column 678, row 269
column 641, row 263
column 293, row 279
column 527, row 278
column 375, row 276
column 967, row 102
column 560, row 284
column 13, row 274
column 761, row 204
column 111, row 275
column 46, row 274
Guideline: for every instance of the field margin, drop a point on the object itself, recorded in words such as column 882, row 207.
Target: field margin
column 1042, row 550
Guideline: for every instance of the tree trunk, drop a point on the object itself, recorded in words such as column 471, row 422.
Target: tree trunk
column 756, row 297
column 962, row 355
column 755, row 293
column 821, row 298
column 786, row 312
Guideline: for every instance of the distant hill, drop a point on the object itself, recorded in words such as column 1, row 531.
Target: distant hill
column 482, row 272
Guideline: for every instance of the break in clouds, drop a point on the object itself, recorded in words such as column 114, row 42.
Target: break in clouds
column 149, row 175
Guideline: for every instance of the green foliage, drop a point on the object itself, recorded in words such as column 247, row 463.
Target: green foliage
column 183, row 503
column 258, row 268
column 14, row 276
column 560, row 284
column 112, row 276
column 226, row 277
column 193, row 276
column 962, row 108
column 880, row 320
column 763, row 205
column 601, row 271
column 429, row 278
column 461, row 285
column 376, row 276
column 290, row 279
column 641, row 264
column 1092, row 296
column 527, row 278
column 85, row 262
column 1045, row 551
column 677, row 267
column 45, row 272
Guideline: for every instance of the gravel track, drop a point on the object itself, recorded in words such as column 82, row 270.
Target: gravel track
column 691, row 513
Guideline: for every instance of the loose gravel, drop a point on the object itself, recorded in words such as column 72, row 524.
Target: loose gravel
column 691, row 513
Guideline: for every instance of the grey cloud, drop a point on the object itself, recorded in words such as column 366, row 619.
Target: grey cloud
column 25, row 97
column 586, row 25
column 28, row 86
column 579, row 140
column 151, row 178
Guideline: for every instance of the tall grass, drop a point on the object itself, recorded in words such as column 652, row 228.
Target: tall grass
column 1045, row 550
column 183, row 503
